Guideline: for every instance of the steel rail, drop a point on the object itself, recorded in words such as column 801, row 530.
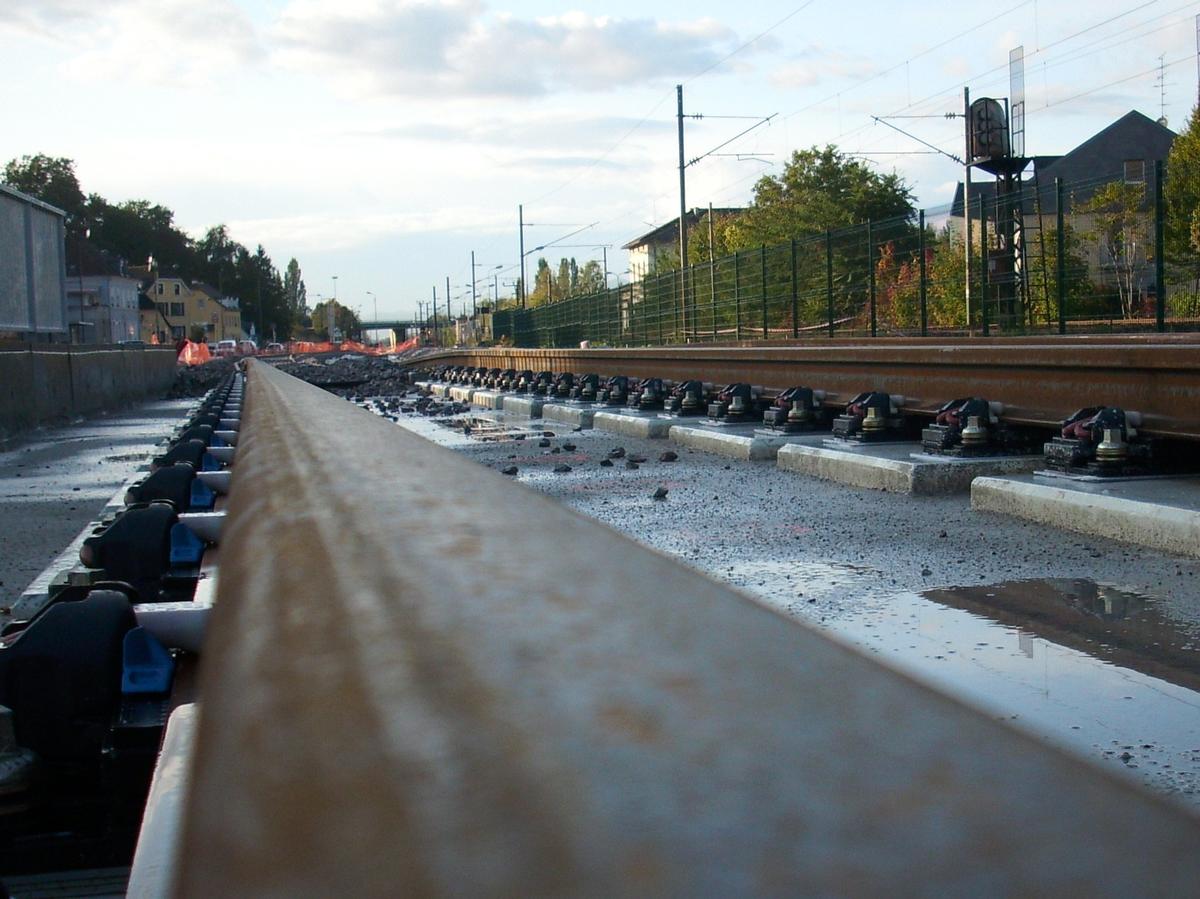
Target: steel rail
column 1039, row 380
column 399, row 697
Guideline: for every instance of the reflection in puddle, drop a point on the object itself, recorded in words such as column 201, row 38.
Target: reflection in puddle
column 1100, row 671
column 1113, row 624
column 487, row 430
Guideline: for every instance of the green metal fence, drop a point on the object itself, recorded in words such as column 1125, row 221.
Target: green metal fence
column 1052, row 257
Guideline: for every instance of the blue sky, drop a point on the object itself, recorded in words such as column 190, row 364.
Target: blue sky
column 382, row 141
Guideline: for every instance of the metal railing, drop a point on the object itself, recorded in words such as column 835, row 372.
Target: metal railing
column 399, row 698
column 1098, row 255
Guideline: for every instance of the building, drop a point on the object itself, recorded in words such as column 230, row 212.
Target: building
column 1124, row 152
column 153, row 326
column 645, row 251
column 103, row 309
column 224, row 315
column 182, row 308
column 33, row 304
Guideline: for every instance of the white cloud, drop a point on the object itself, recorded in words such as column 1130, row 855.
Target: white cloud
column 331, row 231
column 452, row 48
column 816, row 64
column 178, row 42
column 45, row 18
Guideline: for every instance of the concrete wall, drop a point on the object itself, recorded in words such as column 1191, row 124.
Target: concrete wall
column 45, row 383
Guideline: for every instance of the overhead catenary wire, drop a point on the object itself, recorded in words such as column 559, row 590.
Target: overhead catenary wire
column 1048, row 59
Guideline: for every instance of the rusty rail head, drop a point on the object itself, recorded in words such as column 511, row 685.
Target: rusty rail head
column 397, row 700
column 1040, row 380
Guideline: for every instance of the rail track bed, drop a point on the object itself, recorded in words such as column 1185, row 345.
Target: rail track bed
column 416, row 671
column 937, row 589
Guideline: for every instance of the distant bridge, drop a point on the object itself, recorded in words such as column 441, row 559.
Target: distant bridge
column 392, row 324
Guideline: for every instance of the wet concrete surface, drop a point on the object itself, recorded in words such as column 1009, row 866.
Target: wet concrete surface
column 1006, row 614
column 53, row 481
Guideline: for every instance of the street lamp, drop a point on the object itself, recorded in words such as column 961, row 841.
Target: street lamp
column 335, row 277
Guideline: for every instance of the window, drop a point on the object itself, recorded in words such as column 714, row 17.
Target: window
column 158, row 288
column 1135, row 171
column 201, row 301
column 176, row 290
column 177, row 309
column 162, row 309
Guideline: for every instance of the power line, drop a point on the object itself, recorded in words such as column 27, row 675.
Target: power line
column 795, row 12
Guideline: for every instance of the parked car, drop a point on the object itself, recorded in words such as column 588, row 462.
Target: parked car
column 274, row 348
column 246, row 348
column 226, row 348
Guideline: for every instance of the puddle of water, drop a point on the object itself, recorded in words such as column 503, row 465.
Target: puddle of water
column 485, row 430
column 1116, row 625
column 1098, row 670
column 1064, row 695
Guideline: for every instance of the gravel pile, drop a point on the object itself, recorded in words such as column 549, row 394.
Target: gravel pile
column 349, row 375
column 197, row 380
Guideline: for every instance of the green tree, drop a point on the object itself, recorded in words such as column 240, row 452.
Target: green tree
column 215, row 254
column 344, row 319
column 52, row 180
column 541, row 284
column 819, row 189
column 1182, row 192
column 138, row 229
column 699, row 250
column 1121, row 226
column 294, row 293
column 591, row 278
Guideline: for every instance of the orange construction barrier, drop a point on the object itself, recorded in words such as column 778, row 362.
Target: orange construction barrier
column 194, row 354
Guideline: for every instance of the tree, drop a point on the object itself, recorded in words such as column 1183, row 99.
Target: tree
column 699, row 250
column 1121, row 228
column 591, row 277
column 294, row 293
column 344, row 319
column 1182, row 192
column 215, row 253
column 541, row 284
column 52, row 180
column 819, row 189
column 137, row 229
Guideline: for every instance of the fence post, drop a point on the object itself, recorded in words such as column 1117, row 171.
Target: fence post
column 676, row 298
column 871, row 276
column 829, row 277
column 762, row 277
column 659, row 309
column 1160, row 267
column 691, row 324
column 1060, row 245
column 737, row 296
column 984, row 275
column 795, row 296
column 924, row 275
column 712, row 290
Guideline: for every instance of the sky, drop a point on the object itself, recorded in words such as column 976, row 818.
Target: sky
column 381, row 142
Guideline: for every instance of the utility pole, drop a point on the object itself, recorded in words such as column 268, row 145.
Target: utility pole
column 436, row 342
column 683, row 246
column 258, row 293
column 966, row 202
column 474, row 310
column 449, row 314
column 521, row 228
column 604, row 251
column 712, row 268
